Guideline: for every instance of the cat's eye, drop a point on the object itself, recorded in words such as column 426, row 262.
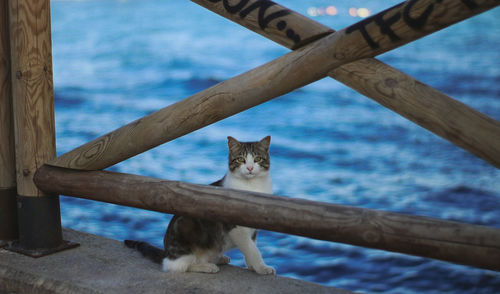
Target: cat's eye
column 258, row 159
column 241, row 160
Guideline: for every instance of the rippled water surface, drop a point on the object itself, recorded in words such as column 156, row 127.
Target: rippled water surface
column 116, row 61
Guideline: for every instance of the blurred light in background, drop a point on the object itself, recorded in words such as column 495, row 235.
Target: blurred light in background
column 363, row 12
column 353, row 12
column 312, row 11
column 333, row 11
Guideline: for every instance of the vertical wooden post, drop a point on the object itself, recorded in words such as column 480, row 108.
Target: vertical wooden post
column 8, row 212
column 34, row 126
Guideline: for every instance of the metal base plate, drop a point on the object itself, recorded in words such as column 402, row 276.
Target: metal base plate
column 14, row 247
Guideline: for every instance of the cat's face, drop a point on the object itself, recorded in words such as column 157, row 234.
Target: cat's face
column 249, row 159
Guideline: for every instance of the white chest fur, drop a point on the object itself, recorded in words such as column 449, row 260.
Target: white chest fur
column 241, row 237
column 261, row 183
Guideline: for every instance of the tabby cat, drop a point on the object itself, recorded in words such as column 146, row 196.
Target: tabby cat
column 196, row 245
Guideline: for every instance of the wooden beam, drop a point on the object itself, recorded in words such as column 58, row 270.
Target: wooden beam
column 478, row 246
column 420, row 103
column 448, row 118
column 278, row 77
column 7, row 151
column 271, row 20
column 32, row 88
column 8, row 207
column 39, row 216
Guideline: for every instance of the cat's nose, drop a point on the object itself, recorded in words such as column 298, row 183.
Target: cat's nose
column 250, row 168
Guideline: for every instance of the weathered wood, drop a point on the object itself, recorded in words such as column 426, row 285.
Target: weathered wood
column 420, row 103
column 8, row 208
column 40, row 231
column 450, row 241
column 32, row 88
column 280, row 24
column 7, row 151
column 425, row 106
column 266, row 82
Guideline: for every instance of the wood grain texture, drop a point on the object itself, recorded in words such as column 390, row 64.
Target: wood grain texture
column 278, row 23
column 450, row 241
column 287, row 73
column 7, row 151
column 8, row 208
column 32, row 89
column 420, row 103
column 425, row 106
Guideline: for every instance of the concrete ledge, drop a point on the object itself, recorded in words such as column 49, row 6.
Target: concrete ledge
column 103, row 265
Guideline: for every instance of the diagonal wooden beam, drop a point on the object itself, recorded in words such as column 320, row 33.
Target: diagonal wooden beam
column 420, row 103
column 280, row 76
column 474, row 245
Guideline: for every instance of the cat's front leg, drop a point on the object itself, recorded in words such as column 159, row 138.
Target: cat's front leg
column 241, row 237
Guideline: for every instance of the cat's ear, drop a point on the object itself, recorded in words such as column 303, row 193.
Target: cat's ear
column 232, row 142
column 265, row 142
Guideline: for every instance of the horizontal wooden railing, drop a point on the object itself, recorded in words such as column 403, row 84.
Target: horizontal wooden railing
column 422, row 236
column 420, row 103
column 345, row 55
column 291, row 71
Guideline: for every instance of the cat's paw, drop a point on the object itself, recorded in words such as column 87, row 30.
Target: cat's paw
column 211, row 268
column 265, row 270
column 223, row 260
column 208, row 268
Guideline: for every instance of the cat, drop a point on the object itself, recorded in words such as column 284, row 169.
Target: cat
column 196, row 245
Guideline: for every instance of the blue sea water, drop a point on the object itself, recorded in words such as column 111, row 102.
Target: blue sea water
column 116, row 61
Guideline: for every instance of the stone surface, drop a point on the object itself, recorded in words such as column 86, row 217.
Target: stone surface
column 103, row 265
